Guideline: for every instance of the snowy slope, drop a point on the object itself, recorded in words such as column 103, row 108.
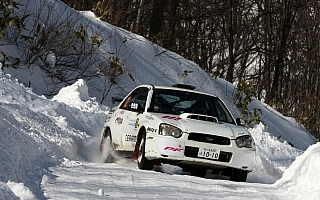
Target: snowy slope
column 151, row 64
column 49, row 147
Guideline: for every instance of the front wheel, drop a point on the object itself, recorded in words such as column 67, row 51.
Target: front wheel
column 238, row 175
column 198, row 172
column 143, row 162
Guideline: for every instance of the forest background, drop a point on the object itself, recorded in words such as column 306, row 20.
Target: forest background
column 268, row 48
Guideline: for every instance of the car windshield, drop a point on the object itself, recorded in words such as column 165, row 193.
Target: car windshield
column 178, row 102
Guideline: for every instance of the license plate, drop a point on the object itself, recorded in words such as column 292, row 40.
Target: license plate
column 208, row 153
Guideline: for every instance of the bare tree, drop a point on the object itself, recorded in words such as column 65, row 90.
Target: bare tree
column 270, row 46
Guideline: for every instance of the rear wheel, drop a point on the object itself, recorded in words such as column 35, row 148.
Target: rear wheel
column 143, row 162
column 238, row 175
column 106, row 147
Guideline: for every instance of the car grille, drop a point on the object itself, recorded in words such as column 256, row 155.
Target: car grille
column 212, row 139
column 193, row 153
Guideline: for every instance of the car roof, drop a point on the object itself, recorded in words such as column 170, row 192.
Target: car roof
column 175, row 88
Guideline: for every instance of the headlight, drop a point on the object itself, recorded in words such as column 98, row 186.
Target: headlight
column 245, row 141
column 166, row 129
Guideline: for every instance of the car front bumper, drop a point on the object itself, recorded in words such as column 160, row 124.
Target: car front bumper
column 183, row 152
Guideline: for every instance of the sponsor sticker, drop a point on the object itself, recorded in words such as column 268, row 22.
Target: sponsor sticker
column 149, row 117
column 130, row 138
column 119, row 120
column 134, row 106
column 131, row 122
column 136, row 125
column 170, row 147
column 172, row 117
column 149, row 129
column 173, row 148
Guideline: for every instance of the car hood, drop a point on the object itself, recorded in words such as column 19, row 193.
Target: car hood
column 188, row 122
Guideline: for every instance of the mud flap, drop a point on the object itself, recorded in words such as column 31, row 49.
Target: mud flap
column 101, row 146
column 135, row 152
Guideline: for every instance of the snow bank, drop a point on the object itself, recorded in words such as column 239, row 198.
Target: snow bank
column 36, row 133
column 301, row 179
column 273, row 157
column 6, row 192
column 76, row 95
column 20, row 190
column 81, row 107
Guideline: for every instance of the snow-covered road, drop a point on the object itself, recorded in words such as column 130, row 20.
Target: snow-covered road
column 77, row 180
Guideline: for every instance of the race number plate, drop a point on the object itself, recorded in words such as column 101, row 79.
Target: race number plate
column 208, row 153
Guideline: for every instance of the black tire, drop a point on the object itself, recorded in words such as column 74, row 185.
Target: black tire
column 238, row 175
column 198, row 172
column 107, row 144
column 143, row 162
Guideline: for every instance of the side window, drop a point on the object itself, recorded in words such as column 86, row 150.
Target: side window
column 138, row 96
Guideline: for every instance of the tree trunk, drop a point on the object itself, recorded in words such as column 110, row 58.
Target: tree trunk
column 286, row 27
column 229, row 76
column 139, row 16
column 170, row 41
column 156, row 22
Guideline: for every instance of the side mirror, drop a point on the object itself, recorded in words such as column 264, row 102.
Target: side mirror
column 240, row 122
column 115, row 99
column 135, row 107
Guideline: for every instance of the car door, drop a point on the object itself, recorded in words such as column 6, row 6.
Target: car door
column 133, row 107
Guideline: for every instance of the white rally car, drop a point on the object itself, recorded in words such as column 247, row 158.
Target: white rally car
column 179, row 126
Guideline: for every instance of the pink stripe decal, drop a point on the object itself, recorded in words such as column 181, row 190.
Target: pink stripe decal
column 172, row 117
